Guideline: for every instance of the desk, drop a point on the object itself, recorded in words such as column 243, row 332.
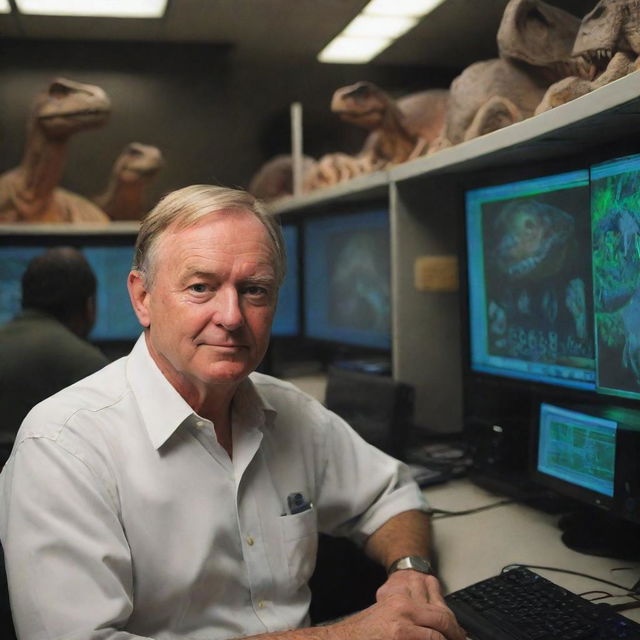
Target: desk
column 476, row 546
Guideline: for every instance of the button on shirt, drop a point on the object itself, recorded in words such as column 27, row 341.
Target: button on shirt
column 120, row 510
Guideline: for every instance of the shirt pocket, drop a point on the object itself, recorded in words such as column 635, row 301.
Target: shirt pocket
column 300, row 543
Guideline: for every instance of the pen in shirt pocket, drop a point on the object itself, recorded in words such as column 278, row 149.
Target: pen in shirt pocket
column 297, row 503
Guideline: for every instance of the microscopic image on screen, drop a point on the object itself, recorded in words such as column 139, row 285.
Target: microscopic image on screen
column 538, row 280
column 615, row 211
column 530, row 280
column 359, row 280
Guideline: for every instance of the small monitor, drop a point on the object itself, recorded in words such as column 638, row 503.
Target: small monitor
column 287, row 319
column 615, row 207
column 111, row 263
column 578, row 450
column 529, row 280
column 589, row 455
column 347, row 297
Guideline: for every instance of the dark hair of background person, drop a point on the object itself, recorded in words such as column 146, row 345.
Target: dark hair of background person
column 59, row 282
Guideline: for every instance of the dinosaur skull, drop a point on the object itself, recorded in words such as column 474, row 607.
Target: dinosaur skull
column 537, row 33
column 362, row 104
column 612, row 26
column 138, row 162
column 67, row 106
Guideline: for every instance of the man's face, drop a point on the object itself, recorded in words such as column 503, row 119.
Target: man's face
column 210, row 305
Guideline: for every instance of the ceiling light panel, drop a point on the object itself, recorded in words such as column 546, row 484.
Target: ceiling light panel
column 94, row 8
column 5, row 7
column 366, row 26
column 353, row 50
column 415, row 8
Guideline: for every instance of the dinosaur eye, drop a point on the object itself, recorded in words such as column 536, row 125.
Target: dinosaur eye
column 536, row 15
column 59, row 90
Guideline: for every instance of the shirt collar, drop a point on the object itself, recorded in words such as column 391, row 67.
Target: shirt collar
column 163, row 409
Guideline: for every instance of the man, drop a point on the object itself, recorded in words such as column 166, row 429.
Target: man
column 43, row 349
column 175, row 494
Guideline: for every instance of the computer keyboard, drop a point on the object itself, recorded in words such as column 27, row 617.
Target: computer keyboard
column 522, row 605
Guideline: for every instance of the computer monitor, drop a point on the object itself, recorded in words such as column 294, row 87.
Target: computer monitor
column 110, row 258
column 347, row 297
column 589, row 455
column 287, row 319
column 615, row 203
column 529, row 280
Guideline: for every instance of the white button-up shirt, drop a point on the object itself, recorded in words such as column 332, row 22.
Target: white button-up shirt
column 122, row 517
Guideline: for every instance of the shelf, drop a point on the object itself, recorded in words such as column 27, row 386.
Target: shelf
column 71, row 228
column 602, row 115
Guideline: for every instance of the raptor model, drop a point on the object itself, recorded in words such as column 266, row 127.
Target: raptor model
column 535, row 41
column 133, row 170
column 609, row 41
column 400, row 130
column 30, row 192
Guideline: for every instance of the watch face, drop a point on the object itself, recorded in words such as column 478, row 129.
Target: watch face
column 417, row 563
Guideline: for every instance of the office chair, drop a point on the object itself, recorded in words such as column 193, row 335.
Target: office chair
column 379, row 408
column 7, row 631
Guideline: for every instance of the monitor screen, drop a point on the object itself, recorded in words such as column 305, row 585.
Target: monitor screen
column 115, row 319
column 287, row 319
column 529, row 280
column 615, row 211
column 577, row 448
column 347, row 279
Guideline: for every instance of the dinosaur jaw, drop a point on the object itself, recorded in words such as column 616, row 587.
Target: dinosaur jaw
column 60, row 124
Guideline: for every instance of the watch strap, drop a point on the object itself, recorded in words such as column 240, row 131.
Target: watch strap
column 417, row 563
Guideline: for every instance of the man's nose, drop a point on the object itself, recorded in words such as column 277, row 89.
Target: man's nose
column 228, row 312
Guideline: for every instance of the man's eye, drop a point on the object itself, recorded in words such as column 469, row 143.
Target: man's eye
column 198, row 287
column 256, row 291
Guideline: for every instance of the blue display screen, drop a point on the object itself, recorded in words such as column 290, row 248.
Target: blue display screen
column 347, row 279
column 115, row 318
column 287, row 319
column 615, row 211
column 578, row 448
column 529, row 280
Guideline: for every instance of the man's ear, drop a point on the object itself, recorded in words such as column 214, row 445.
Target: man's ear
column 139, row 297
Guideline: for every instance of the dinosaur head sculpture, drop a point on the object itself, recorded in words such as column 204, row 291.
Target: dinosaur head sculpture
column 67, row 107
column 363, row 104
column 536, row 33
column 138, row 162
column 612, row 26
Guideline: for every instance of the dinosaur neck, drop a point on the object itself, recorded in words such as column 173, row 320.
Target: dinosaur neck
column 395, row 143
column 123, row 200
column 40, row 171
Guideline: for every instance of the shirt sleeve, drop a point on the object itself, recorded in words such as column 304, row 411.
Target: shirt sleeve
column 68, row 564
column 361, row 486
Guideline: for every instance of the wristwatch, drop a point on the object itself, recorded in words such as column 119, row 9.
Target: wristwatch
column 417, row 563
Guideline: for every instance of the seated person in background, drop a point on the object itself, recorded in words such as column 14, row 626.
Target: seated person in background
column 177, row 494
column 43, row 349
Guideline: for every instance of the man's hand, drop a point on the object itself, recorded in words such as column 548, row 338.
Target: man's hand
column 409, row 606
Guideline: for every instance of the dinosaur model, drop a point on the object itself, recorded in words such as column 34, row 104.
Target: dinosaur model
column 29, row 192
column 609, row 41
column 400, row 130
column 274, row 179
column 535, row 41
column 133, row 170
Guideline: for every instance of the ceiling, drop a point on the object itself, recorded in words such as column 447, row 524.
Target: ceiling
column 455, row 34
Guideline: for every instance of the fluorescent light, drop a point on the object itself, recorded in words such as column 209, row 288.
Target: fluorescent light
column 387, row 20
column 416, row 8
column 357, row 50
column 94, row 8
column 5, row 7
column 366, row 26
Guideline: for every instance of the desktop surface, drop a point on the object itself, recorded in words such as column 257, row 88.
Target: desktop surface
column 473, row 547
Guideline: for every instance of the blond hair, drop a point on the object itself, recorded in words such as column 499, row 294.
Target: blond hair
column 186, row 207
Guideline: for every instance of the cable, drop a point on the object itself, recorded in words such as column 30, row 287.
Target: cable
column 438, row 514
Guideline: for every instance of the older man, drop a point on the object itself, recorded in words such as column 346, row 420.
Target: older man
column 176, row 494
